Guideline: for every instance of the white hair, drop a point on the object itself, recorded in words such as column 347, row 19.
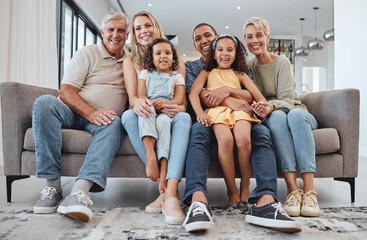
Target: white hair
column 114, row 15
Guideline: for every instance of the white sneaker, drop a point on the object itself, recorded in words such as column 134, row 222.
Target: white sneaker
column 76, row 206
column 310, row 207
column 292, row 204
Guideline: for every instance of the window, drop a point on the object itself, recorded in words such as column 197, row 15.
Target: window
column 74, row 31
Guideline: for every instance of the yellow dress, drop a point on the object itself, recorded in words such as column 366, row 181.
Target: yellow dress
column 220, row 78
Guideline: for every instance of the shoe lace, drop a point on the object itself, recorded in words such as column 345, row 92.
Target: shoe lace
column 309, row 199
column 278, row 208
column 197, row 208
column 48, row 192
column 294, row 198
column 83, row 198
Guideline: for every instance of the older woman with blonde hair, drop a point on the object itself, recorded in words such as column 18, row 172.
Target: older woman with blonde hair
column 145, row 29
column 288, row 120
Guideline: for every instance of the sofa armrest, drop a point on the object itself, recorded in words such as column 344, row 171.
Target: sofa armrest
column 16, row 110
column 339, row 109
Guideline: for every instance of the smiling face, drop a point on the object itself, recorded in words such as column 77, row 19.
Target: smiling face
column 256, row 40
column 203, row 38
column 114, row 36
column 163, row 57
column 225, row 53
column 144, row 30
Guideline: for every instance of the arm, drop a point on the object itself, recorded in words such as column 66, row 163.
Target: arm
column 69, row 95
column 217, row 97
column 140, row 106
column 195, row 100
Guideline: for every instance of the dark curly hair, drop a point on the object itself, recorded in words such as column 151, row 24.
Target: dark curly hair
column 239, row 63
column 148, row 60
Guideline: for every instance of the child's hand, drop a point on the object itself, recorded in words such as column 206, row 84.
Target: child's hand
column 204, row 119
column 158, row 104
column 262, row 109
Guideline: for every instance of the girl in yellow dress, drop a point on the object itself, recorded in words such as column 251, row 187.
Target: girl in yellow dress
column 226, row 66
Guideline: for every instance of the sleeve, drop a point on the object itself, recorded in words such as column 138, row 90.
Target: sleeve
column 179, row 79
column 143, row 74
column 190, row 77
column 285, row 88
column 77, row 69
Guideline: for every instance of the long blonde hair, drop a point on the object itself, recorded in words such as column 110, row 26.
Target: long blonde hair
column 138, row 50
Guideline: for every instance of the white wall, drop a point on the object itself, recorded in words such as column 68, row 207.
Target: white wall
column 4, row 58
column 95, row 9
column 350, row 56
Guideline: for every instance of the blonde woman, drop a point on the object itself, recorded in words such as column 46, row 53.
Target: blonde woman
column 145, row 29
column 289, row 122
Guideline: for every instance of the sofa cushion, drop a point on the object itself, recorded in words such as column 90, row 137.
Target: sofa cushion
column 76, row 141
column 326, row 140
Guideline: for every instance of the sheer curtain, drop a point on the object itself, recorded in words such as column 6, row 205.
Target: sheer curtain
column 32, row 43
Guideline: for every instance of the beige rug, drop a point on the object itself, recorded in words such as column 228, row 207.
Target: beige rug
column 133, row 223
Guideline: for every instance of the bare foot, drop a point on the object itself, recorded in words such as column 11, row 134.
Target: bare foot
column 151, row 168
column 244, row 190
column 162, row 176
column 233, row 196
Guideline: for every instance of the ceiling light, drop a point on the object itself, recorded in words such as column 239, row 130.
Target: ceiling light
column 315, row 44
column 149, row 4
column 301, row 51
column 238, row 8
column 227, row 27
column 329, row 34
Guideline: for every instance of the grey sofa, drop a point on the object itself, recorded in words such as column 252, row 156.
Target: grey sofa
column 337, row 113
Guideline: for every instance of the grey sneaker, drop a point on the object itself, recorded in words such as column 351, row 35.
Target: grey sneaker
column 49, row 200
column 76, row 206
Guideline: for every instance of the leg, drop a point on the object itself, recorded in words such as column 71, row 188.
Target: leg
column 163, row 124
column 283, row 144
column 226, row 159
column 148, row 134
column 197, row 163
column 129, row 121
column 242, row 135
column 263, row 163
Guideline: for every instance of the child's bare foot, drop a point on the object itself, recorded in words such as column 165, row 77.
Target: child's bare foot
column 233, row 196
column 151, row 168
column 244, row 191
column 162, row 176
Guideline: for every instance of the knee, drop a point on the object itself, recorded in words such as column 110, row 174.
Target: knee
column 243, row 142
column 260, row 134
column 163, row 121
column 296, row 116
column 225, row 143
column 182, row 119
column 200, row 133
column 44, row 104
column 114, row 128
column 128, row 116
column 277, row 121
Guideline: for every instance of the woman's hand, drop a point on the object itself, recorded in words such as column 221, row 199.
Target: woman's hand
column 262, row 109
column 172, row 109
column 204, row 119
column 142, row 107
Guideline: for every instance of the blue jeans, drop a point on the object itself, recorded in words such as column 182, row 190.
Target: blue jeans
column 49, row 116
column 262, row 160
column 180, row 131
column 293, row 139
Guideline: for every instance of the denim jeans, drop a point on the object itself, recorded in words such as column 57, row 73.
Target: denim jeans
column 180, row 134
column 262, row 160
column 157, row 126
column 49, row 116
column 293, row 139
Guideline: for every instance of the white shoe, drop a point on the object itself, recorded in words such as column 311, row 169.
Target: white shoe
column 156, row 206
column 292, row 204
column 310, row 207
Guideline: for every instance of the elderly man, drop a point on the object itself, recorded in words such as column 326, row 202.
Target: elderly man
column 92, row 98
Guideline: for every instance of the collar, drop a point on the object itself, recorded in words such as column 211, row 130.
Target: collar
column 105, row 54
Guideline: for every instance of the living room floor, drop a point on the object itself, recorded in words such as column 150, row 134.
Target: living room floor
column 138, row 192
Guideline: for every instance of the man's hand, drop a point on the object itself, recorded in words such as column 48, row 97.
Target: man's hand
column 239, row 105
column 216, row 96
column 101, row 117
column 142, row 107
column 172, row 109
column 262, row 109
column 204, row 119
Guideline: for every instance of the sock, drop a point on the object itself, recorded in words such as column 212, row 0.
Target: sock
column 56, row 183
column 83, row 185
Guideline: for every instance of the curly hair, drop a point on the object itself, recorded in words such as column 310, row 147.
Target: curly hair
column 239, row 64
column 148, row 60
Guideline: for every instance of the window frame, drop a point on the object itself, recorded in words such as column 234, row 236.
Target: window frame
column 77, row 14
